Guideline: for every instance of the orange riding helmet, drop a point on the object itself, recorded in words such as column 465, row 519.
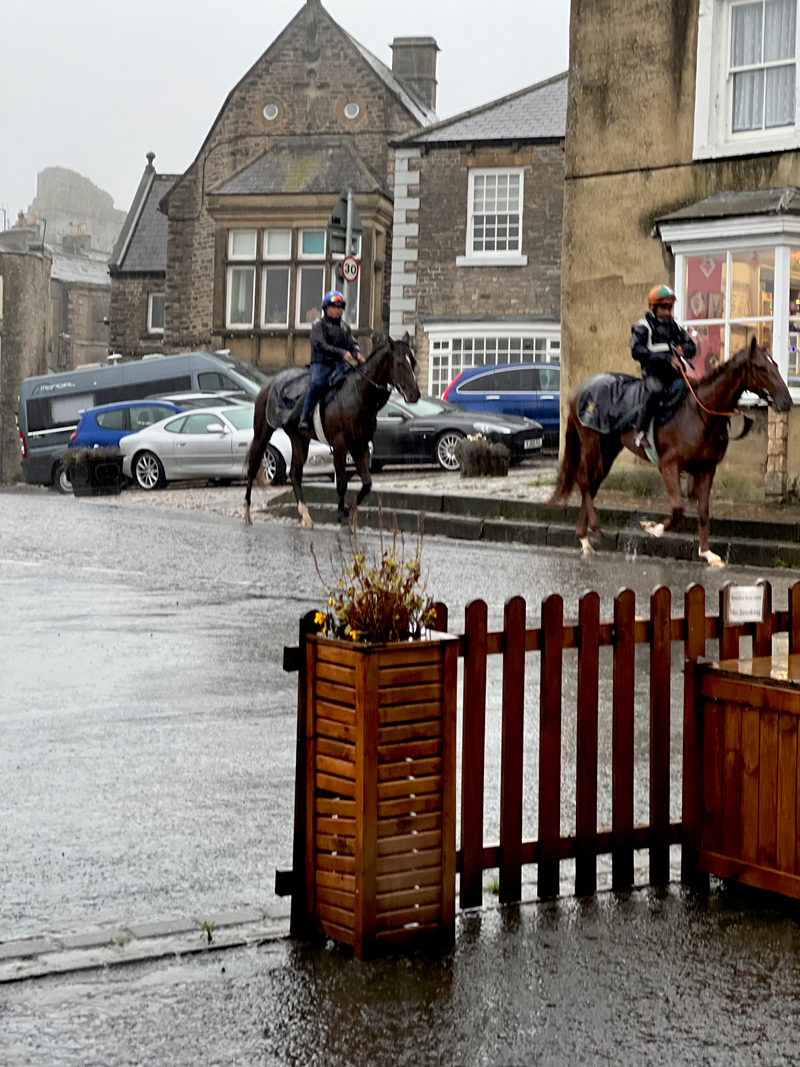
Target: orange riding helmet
column 660, row 294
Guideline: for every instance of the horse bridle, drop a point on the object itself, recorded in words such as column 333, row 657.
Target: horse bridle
column 357, row 367
column 748, row 421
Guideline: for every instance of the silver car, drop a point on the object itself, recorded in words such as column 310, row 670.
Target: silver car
column 211, row 443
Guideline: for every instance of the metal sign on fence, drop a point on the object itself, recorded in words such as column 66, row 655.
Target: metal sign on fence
column 745, row 604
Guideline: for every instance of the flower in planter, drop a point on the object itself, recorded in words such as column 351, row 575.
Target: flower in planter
column 377, row 598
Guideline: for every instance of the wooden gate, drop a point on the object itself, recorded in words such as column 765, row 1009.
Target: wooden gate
column 549, row 640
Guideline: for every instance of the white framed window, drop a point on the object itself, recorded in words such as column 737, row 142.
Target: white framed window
column 242, row 244
column 746, row 97
column 155, row 313
column 275, row 296
column 453, row 349
column 494, row 218
column 310, row 290
column 241, row 295
column 312, row 244
column 277, row 244
column 737, row 278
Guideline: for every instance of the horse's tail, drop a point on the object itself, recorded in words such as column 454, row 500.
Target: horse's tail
column 568, row 466
column 260, row 431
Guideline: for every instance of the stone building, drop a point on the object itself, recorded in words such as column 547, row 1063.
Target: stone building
column 25, row 335
column 247, row 254
column 683, row 165
column 476, row 258
column 71, row 204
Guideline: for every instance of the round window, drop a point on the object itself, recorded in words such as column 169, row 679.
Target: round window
column 271, row 112
column 351, row 110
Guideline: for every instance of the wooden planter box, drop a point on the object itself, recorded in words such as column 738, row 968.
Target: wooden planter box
column 380, row 857
column 747, row 718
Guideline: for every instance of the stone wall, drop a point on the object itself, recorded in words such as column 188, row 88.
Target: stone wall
column 128, row 315
column 309, row 73
column 24, row 341
column 430, row 232
column 68, row 201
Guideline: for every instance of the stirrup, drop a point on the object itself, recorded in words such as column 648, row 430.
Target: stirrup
column 640, row 439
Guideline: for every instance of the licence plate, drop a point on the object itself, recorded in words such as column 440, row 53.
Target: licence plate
column 533, row 442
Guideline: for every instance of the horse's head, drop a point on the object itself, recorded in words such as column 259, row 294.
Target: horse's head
column 765, row 380
column 402, row 370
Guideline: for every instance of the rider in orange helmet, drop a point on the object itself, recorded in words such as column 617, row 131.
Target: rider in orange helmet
column 658, row 342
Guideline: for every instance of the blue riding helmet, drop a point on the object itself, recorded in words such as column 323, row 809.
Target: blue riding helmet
column 334, row 298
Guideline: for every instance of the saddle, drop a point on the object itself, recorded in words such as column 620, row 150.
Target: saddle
column 288, row 392
column 610, row 403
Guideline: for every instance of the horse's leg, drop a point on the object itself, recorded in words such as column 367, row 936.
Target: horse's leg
column 299, row 455
column 362, row 467
column 702, row 487
column 255, row 457
column 593, row 469
column 340, row 466
column 671, row 477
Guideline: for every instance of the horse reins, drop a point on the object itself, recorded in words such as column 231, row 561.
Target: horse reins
column 700, row 404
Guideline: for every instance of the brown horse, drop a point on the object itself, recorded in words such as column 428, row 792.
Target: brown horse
column 349, row 419
column 694, row 440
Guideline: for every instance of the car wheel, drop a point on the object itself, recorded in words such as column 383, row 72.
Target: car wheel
column 148, row 472
column 446, row 450
column 61, row 479
column 274, row 466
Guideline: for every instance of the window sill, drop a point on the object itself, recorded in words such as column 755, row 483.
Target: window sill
column 788, row 140
column 491, row 261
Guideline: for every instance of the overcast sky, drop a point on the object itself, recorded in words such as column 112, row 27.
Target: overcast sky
column 94, row 85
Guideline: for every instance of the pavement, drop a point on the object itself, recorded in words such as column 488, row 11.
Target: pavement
column 512, row 510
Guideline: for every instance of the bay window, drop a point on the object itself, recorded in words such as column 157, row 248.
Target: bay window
column 739, row 278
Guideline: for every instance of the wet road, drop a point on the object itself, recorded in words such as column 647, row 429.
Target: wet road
column 650, row 977
column 147, row 763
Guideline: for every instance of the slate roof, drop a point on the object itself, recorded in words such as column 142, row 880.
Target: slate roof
column 141, row 247
column 538, row 113
column 79, row 269
column 306, row 164
column 730, row 204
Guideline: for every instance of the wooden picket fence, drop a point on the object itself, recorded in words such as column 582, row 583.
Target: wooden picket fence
column 550, row 639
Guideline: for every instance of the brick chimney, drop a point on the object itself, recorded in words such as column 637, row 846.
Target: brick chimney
column 414, row 65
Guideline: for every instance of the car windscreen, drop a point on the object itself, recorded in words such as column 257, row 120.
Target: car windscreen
column 427, row 406
column 245, row 369
column 242, row 418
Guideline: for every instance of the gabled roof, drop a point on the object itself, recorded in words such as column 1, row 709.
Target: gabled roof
column 422, row 115
column 733, row 203
column 306, row 164
column 538, row 113
column 141, row 247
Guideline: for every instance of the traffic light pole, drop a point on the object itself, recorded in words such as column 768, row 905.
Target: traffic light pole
column 348, row 243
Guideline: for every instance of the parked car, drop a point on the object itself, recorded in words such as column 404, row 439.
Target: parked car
column 428, row 432
column 204, row 398
column 210, row 444
column 531, row 390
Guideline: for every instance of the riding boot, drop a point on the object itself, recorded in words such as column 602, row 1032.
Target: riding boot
column 647, row 416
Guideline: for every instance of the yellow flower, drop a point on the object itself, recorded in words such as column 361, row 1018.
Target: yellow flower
column 319, row 618
column 354, row 634
column 330, row 601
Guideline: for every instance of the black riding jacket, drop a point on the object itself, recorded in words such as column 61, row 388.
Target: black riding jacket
column 331, row 340
column 653, row 341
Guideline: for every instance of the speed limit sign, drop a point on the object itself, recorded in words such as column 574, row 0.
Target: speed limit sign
column 349, row 269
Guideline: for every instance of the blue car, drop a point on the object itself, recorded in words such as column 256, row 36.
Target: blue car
column 531, row 390
column 106, row 425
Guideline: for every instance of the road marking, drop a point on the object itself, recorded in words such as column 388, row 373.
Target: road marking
column 23, row 562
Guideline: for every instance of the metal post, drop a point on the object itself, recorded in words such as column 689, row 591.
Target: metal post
column 348, row 242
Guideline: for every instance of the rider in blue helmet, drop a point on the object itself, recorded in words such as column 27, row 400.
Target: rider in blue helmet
column 331, row 342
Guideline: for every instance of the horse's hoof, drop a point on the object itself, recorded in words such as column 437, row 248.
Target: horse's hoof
column 711, row 558
column 246, row 520
column 305, row 518
column 655, row 529
column 586, row 547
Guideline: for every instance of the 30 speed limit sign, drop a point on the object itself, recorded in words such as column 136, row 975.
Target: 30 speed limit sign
column 349, row 269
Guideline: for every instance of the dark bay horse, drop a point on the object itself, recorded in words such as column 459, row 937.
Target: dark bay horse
column 694, row 440
column 349, row 420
